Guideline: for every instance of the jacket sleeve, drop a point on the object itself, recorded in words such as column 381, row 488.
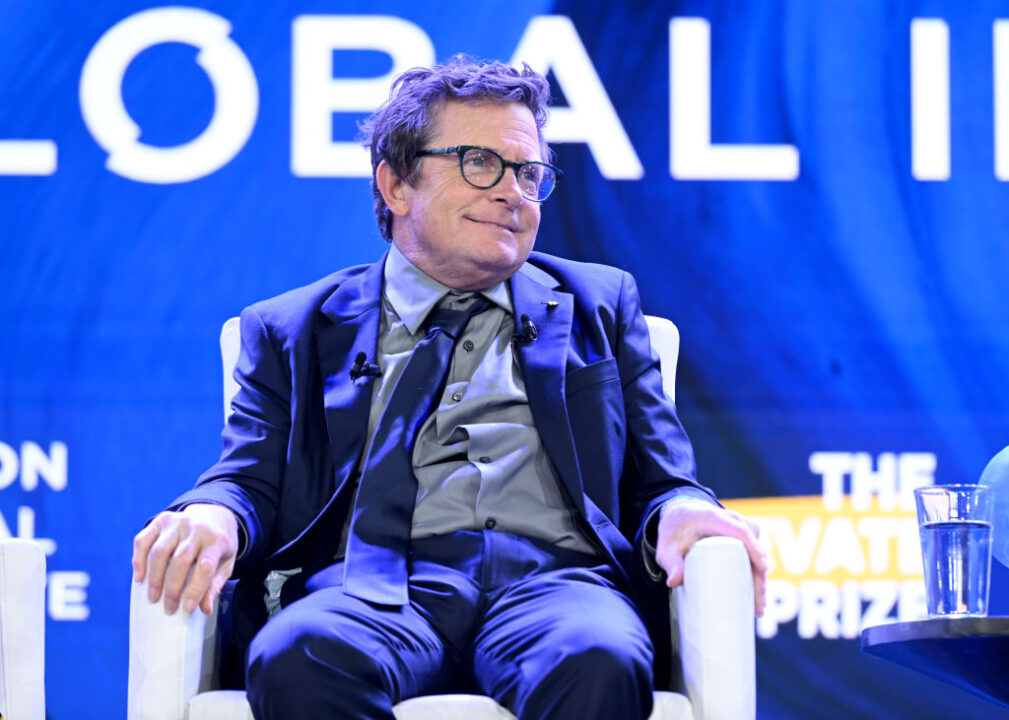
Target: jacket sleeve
column 247, row 477
column 659, row 452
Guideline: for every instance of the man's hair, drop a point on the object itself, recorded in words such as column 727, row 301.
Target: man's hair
column 404, row 124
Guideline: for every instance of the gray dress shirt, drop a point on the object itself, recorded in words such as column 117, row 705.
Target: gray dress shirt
column 478, row 458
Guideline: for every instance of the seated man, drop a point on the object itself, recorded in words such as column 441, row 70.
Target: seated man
column 464, row 449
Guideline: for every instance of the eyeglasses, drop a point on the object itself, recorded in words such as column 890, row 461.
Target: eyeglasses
column 483, row 168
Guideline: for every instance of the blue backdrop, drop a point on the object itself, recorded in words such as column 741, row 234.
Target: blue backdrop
column 811, row 191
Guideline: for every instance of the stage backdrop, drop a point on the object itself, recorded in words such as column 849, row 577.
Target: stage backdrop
column 815, row 192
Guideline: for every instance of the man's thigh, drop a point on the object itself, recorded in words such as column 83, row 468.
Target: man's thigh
column 334, row 651
column 565, row 627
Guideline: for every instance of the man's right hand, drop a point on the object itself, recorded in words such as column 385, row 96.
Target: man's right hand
column 198, row 544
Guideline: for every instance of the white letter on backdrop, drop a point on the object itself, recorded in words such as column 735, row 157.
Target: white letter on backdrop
column 1000, row 37
column 27, row 157
column 551, row 42
column 692, row 156
column 236, row 95
column 316, row 94
column 929, row 99
column 35, row 464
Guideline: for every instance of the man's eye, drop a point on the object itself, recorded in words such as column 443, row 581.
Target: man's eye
column 477, row 159
column 531, row 175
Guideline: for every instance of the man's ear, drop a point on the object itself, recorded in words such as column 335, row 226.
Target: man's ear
column 395, row 190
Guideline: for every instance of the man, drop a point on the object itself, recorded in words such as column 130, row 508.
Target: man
column 486, row 525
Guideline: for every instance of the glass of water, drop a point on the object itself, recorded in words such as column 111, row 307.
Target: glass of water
column 955, row 526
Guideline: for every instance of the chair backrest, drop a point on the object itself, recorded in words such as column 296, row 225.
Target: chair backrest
column 666, row 344
column 22, row 630
column 664, row 336
column 231, row 343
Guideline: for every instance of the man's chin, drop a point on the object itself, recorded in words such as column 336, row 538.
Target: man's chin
column 491, row 269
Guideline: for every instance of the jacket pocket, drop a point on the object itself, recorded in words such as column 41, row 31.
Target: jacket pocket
column 602, row 371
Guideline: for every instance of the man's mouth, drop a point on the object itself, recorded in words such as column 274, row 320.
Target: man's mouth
column 502, row 225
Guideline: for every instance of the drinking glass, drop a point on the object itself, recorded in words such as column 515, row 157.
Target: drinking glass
column 954, row 522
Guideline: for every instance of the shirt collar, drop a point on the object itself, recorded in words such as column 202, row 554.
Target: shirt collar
column 412, row 293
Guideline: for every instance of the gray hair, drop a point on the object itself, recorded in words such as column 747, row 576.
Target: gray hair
column 405, row 122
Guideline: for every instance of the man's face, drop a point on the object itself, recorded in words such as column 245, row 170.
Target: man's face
column 466, row 237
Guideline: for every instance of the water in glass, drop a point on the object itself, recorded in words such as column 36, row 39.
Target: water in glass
column 956, row 556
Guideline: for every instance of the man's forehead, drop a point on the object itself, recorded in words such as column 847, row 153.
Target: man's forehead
column 455, row 120
column 464, row 110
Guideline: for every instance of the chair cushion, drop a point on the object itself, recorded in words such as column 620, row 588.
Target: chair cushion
column 671, row 706
column 220, row 705
column 451, row 707
column 232, row 705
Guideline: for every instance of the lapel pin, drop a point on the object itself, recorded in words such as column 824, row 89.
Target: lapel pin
column 551, row 304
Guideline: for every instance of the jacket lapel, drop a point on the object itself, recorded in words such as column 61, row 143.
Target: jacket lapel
column 350, row 327
column 543, row 363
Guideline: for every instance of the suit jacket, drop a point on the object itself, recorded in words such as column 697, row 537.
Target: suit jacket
column 299, row 423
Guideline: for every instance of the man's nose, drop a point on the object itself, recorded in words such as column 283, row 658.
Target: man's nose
column 507, row 189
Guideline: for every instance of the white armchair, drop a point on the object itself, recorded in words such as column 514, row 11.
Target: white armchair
column 22, row 630
column 172, row 657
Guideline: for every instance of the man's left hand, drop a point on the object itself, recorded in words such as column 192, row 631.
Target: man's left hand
column 685, row 522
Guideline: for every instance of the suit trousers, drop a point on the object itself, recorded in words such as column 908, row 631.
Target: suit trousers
column 544, row 631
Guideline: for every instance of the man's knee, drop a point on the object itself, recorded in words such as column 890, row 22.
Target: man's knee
column 294, row 652
column 606, row 660
column 591, row 679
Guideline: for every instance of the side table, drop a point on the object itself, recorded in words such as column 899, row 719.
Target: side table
column 970, row 653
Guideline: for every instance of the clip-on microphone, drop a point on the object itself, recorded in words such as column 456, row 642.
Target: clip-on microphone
column 362, row 368
column 527, row 333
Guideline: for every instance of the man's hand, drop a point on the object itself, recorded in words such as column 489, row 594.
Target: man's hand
column 684, row 522
column 197, row 545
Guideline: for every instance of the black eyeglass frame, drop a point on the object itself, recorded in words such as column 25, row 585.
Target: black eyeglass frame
column 461, row 151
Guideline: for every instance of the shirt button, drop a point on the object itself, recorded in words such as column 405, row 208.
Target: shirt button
column 457, row 395
column 467, row 345
column 485, row 459
column 491, row 522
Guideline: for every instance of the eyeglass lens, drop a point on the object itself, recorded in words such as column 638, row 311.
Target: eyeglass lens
column 483, row 168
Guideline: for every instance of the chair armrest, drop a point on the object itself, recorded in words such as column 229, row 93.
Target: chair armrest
column 171, row 658
column 22, row 629
column 713, row 630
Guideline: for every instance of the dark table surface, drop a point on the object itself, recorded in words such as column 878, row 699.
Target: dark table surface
column 971, row 653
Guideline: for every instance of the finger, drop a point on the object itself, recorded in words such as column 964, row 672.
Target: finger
column 754, row 527
column 758, row 556
column 200, row 582
column 748, row 532
column 142, row 546
column 759, row 593
column 223, row 574
column 158, row 559
column 216, row 584
column 179, row 570
column 672, row 563
column 208, row 600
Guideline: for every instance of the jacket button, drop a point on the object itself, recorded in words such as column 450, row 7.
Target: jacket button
column 467, row 345
column 491, row 522
column 457, row 395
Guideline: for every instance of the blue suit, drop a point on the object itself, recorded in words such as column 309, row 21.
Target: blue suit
column 299, row 422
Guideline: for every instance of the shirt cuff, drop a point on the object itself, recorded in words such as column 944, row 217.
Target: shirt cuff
column 656, row 573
